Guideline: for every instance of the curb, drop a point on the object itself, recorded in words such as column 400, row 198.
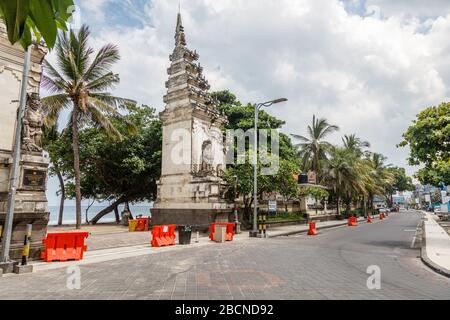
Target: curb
column 427, row 261
column 291, row 233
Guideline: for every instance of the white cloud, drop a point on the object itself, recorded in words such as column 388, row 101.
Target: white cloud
column 369, row 75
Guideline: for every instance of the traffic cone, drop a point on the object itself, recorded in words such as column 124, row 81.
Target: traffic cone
column 312, row 229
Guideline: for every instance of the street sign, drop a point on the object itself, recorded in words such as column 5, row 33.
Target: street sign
column 428, row 198
column 272, row 206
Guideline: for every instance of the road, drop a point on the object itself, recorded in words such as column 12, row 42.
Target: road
column 332, row 265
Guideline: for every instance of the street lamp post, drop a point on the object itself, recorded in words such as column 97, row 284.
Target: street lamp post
column 236, row 214
column 258, row 106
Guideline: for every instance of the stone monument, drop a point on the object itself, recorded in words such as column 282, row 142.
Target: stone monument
column 31, row 202
column 191, row 189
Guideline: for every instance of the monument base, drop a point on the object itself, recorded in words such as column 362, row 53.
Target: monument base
column 39, row 231
column 30, row 207
column 199, row 218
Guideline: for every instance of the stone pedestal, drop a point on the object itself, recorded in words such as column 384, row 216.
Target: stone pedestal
column 31, row 204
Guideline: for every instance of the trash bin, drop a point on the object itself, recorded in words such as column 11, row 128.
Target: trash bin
column 220, row 233
column 184, row 235
column 132, row 224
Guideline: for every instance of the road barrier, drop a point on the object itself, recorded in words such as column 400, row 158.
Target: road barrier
column 64, row 246
column 163, row 236
column 352, row 222
column 312, row 229
column 382, row 216
column 369, row 219
column 229, row 234
column 142, row 224
column 132, row 225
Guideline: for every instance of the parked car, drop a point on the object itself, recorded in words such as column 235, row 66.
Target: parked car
column 437, row 210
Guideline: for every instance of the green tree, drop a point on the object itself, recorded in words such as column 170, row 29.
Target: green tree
column 355, row 144
column 429, row 141
column 57, row 147
column 241, row 116
column 401, row 183
column 23, row 18
column 313, row 148
column 285, row 183
column 79, row 86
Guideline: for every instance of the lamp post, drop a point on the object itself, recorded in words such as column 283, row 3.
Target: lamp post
column 236, row 214
column 14, row 175
column 258, row 106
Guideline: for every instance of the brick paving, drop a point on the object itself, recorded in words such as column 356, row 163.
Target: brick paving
column 330, row 266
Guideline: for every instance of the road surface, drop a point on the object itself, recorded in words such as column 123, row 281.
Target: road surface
column 332, row 265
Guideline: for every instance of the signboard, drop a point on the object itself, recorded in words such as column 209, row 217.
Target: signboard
column 272, row 206
column 34, row 179
column 428, row 198
column 312, row 177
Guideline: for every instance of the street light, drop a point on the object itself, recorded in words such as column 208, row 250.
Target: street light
column 236, row 214
column 258, row 106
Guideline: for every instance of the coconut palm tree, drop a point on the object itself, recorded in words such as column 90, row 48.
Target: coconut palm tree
column 313, row 148
column 380, row 174
column 355, row 144
column 79, row 84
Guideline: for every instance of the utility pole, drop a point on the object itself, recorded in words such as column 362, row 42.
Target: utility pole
column 236, row 214
column 6, row 241
column 254, row 232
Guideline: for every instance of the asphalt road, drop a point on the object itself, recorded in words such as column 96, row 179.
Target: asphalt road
column 332, row 265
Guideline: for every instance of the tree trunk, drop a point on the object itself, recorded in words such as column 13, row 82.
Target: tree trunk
column 63, row 197
column 76, row 163
column 338, row 205
column 116, row 212
column 108, row 210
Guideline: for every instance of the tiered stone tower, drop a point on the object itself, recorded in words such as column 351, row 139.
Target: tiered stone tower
column 191, row 189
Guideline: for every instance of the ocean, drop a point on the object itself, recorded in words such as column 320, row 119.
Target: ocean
column 70, row 213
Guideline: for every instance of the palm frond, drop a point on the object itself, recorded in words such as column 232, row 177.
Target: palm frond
column 53, row 105
column 106, row 57
column 105, row 82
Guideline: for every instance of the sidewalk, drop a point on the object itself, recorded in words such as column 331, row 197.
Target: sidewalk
column 110, row 243
column 435, row 245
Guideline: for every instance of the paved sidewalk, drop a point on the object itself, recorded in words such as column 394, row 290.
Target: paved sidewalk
column 436, row 245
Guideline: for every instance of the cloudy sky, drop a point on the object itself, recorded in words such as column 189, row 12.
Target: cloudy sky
column 368, row 66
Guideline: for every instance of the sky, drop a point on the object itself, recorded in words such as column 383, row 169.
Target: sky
column 368, row 66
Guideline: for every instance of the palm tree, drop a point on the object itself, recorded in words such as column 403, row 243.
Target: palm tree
column 355, row 144
column 380, row 174
column 312, row 148
column 342, row 175
column 79, row 84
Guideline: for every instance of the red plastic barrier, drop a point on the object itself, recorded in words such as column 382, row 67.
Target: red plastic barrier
column 369, row 220
column 163, row 236
column 142, row 224
column 312, row 229
column 230, row 230
column 64, row 246
column 382, row 216
column 352, row 222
